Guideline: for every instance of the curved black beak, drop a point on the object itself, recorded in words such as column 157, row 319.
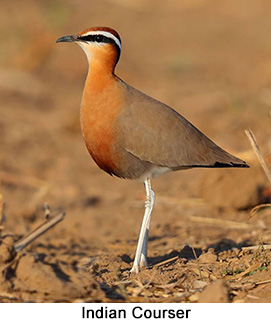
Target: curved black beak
column 67, row 39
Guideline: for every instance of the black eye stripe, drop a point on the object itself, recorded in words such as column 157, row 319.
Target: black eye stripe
column 99, row 38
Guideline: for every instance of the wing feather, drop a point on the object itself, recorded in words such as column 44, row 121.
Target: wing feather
column 154, row 132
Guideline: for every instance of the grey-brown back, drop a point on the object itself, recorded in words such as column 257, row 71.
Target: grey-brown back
column 155, row 133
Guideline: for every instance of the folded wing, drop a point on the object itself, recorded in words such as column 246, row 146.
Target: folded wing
column 154, row 132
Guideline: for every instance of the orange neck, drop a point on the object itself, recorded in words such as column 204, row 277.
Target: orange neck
column 101, row 103
column 99, row 77
column 102, row 64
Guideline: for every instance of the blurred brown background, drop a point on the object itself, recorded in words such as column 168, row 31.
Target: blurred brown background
column 208, row 59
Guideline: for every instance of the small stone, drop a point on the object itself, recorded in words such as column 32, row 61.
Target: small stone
column 199, row 284
column 208, row 257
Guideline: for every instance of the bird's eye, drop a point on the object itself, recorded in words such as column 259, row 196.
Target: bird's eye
column 99, row 38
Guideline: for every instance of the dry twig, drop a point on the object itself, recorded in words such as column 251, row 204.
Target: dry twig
column 257, row 208
column 197, row 262
column 263, row 282
column 265, row 247
column 30, row 237
column 258, row 153
column 220, row 222
column 44, row 227
column 256, row 148
column 165, row 261
column 243, row 273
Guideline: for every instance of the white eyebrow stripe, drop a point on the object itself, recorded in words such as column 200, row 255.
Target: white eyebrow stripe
column 104, row 33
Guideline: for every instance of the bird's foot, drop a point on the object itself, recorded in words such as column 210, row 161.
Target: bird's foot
column 136, row 265
column 135, row 269
column 144, row 261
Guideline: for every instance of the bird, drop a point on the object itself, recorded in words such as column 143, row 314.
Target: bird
column 131, row 135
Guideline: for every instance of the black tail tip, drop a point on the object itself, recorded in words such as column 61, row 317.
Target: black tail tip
column 222, row 165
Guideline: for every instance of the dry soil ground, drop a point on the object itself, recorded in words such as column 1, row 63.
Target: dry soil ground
column 211, row 61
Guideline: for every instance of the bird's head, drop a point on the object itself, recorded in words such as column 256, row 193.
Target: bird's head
column 102, row 44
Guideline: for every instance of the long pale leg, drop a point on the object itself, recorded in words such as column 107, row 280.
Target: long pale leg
column 141, row 250
column 150, row 199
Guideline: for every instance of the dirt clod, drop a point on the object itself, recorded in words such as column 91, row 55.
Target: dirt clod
column 208, row 257
column 7, row 252
column 215, row 292
column 55, row 281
